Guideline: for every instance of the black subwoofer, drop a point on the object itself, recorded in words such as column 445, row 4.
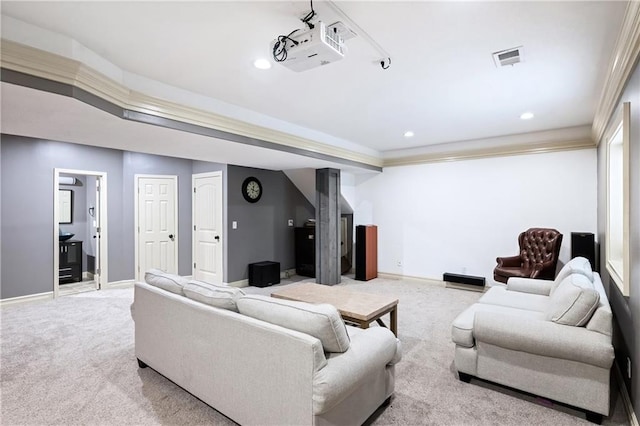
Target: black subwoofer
column 583, row 244
column 263, row 274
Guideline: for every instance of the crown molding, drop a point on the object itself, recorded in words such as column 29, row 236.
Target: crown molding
column 35, row 62
column 501, row 151
column 624, row 58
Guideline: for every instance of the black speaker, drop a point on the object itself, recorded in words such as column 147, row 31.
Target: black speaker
column 583, row 244
column 305, row 251
column 360, row 252
column 263, row 274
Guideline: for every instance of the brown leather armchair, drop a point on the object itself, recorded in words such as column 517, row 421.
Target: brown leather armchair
column 539, row 250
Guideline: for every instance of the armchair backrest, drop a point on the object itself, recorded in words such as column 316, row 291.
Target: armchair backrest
column 539, row 246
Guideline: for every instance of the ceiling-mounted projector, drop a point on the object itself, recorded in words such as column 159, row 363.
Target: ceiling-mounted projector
column 309, row 48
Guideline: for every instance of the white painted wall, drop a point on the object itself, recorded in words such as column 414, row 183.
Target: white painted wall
column 459, row 216
column 305, row 181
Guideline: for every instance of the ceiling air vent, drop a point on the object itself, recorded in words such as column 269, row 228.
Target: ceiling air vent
column 508, row 57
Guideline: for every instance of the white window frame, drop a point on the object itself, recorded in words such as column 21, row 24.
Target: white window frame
column 617, row 189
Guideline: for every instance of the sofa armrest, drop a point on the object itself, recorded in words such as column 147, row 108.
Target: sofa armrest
column 529, row 285
column 543, row 338
column 372, row 349
column 509, row 262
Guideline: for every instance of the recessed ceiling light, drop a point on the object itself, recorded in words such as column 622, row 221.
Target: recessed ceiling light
column 527, row 116
column 408, row 134
column 262, row 64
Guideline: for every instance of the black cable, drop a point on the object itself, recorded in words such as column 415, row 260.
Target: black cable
column 309, row 16
column 280, row 46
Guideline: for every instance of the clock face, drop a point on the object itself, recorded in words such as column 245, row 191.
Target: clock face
column 251, row 189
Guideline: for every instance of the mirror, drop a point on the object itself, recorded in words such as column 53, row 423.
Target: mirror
column 65, row 204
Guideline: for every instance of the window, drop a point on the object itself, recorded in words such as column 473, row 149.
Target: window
column 617, row 235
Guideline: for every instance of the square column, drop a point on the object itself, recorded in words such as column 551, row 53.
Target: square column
column 328, row 226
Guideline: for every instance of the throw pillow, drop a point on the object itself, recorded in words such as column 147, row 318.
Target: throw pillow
column 573, row 302
column 165, row 281
column 215, row 295
column 322, row 321
column 577, row 265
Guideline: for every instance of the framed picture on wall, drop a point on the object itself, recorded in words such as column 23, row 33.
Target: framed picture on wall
column 65, row 205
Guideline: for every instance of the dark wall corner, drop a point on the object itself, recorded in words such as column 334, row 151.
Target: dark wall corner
column 262, row 232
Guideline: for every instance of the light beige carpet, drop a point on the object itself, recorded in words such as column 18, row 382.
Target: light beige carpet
column 71, row 361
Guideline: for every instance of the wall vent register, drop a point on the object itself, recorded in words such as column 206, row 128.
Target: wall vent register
column 507, row 57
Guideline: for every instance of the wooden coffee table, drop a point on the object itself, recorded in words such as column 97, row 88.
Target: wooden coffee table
column 356, row 307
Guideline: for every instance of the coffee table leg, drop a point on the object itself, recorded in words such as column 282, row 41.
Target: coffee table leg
column 394, row 321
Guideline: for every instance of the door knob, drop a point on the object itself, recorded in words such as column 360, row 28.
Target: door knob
column 171, row 236
column 217, row 237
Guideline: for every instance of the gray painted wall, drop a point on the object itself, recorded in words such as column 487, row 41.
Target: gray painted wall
column 27, row 207
column 26, row 211
column 626, row 309
column 263, row 233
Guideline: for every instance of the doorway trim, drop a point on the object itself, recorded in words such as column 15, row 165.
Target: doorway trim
column 139, row 275
column 102, row 276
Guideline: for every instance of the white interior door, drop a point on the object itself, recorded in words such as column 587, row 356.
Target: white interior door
column 157, row 219
column 207, row 227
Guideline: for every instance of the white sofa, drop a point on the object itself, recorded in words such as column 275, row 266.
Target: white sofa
column 260, row 373
column 549, row 338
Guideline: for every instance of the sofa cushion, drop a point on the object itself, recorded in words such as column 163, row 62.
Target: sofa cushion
column 322, row 321
column 170, row 282
column 577, row 265
column 215, row 295
column 573, row 302
column 462, row 327
column 514, row 299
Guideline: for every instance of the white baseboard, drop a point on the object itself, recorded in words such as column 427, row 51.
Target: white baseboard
column 120, row 284
column 432, row 281
column 241, row 283
column 468, row 287
column 26, row 299
column 389, row 276
column 626, row 399
column 287, row 273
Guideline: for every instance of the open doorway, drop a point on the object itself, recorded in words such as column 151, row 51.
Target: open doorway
column 80, row 231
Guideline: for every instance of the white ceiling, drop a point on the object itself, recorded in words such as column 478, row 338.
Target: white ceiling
column 442, row 83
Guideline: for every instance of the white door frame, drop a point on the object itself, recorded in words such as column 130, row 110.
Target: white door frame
column 102, row 275
column 139, row 275
column 193, row 220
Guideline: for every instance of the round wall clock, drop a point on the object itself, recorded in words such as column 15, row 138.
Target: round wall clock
column 251, row 189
